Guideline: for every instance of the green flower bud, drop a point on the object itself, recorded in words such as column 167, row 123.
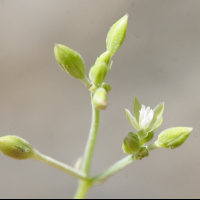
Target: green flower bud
column 116, row 35
column 147, row 139
column 106, row 86
column 143, row 153
column 70, row 61
column 98, row 73
column 131, row 144
column 100, row 99
column 104, row 57
column 173, row 137
column 16, row 147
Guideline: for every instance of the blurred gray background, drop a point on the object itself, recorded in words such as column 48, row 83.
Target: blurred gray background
column 159, row 61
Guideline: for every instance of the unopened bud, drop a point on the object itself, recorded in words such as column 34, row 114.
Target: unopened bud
column 116, row 35
column 173, row 137
column 16, row 147
column 70, row 61
column 131, row 144
column 143, row 153
column 100, row 99
column 104, row 57
column 98, row 73
column 106, row 86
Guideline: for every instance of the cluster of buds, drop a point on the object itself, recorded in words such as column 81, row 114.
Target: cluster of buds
column 70, row 61
column 146, row 121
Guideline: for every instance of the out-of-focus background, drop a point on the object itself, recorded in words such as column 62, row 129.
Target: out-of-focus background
column 158, row 61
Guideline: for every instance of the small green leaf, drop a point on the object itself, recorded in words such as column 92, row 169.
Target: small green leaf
column 132, row 120
column 173, row 137
column 158, row 111
column 136, row 107
column 116, row 35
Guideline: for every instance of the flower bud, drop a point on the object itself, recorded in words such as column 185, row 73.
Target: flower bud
column 143, row 153
column 98, row 73
column 106, row 86
column 116, row 35
column 16, row 147
column 100, row 99
column 70, row 61
column 147, row 139
column 104, row 57
column 131, row 144
column 173, row 137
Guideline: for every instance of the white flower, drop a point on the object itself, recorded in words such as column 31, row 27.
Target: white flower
column 146, row 116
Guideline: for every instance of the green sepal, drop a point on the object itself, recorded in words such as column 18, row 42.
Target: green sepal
column 173, row 137
column 16, row 147
column 147, row 139
column 70, row 61
column 116, row 35
column 131, row 144
column 136, row 108
column 132, row 120
column 142, row 134
column 157, row 117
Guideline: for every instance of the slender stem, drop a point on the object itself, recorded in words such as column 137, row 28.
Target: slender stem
column 91, row 141
column 59, row 165
column 83, row 189
column 113, row 169
column 84, row 186
column 86, row 82
column 152, row 146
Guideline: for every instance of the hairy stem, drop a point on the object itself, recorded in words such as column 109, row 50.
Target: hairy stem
column 113, row 169
column 59, row 165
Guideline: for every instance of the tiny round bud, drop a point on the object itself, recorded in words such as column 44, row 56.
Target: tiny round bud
column 70, row 61
column 143, row 153
column 100, row 99
column 131, row 144
column 16, row 147
column 98, row 73
column 106, row 86
column 173, row 137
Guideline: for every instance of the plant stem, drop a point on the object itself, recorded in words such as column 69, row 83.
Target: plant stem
column 113, row 169
column 86, row 82
column 152, row 146
column 91, row 141
column 85, row 185
column 83, row 189
column 59, row 165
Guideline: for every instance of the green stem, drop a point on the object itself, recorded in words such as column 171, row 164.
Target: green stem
column 84, row 186
column 59, row 165
column 83, row 189
column 86, row 82
column 152, row 146
column 113, row 169
column 91, row 141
